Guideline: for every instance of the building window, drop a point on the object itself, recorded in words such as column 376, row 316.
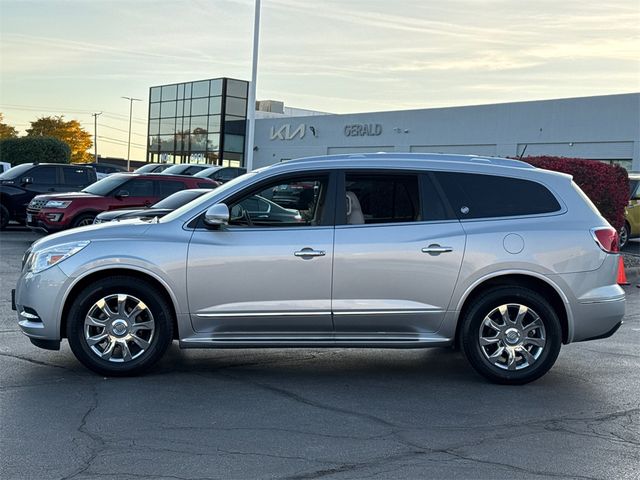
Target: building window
column 190, row 120
column 200, row 89
column 236, row 106
column 169, row 92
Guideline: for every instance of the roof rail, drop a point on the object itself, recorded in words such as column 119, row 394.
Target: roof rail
column 445, row 157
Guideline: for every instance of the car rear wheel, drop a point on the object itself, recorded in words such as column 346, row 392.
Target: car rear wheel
column 511, row 335
column 84, row 220
column 119, row 326
column 4, row 217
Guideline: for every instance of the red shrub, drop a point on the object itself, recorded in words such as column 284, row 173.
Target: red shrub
column 606, row 185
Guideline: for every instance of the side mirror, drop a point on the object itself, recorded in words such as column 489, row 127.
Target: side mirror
column 217, row 215
column 120, row 194
column 27, row 180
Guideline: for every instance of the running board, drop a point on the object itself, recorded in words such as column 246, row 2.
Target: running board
column 359, row 341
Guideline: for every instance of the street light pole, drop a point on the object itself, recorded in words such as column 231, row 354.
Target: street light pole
column 95, row 134
column 131, row 100
column 251, row 108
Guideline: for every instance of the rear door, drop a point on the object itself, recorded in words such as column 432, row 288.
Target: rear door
column 397, row 256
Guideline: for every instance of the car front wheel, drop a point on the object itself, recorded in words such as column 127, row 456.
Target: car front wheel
column 119, row 326
column 511, row 335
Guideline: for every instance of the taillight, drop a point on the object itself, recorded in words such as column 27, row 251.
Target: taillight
column 606, row 238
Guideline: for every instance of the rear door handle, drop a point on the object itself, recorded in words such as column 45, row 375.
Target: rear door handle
column 436, row 249
column 309, row 252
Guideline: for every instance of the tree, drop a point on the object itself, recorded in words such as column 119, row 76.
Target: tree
column 34, row 149
column 6, row 131
column 71, row 133
column 607, row 186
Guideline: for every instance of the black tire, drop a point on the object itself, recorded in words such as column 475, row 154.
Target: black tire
column 83, row 220
column 473, row 324
column 4, row 217
column 625, row 231
column 154, row 301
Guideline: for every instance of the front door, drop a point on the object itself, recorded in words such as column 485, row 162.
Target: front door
column 396, row 258
column 268, row 273
column 137, row 192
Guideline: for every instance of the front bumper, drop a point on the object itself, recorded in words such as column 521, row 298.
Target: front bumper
column 38, row 220
column 37, row 301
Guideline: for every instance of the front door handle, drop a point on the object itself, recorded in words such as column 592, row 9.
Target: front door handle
column 309, row 252
column 436, row 249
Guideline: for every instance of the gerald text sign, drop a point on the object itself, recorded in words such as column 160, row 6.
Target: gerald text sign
column 363, row 130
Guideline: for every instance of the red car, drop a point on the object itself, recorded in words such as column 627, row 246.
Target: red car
column 52, row 213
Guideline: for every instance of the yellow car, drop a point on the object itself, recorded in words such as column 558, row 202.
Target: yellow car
column 631, row 226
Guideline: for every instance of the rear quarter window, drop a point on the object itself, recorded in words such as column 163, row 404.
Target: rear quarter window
column 485, row 196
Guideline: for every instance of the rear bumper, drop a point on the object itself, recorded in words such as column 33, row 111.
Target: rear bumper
column 595, row 320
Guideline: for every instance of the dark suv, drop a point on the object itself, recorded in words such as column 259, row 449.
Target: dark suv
column 21, row 183
column 51, row 213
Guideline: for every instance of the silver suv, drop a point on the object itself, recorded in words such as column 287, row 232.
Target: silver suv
column 494, row 256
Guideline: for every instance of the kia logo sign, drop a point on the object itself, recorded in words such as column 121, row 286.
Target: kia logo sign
column 285, row 132
column 363, row 130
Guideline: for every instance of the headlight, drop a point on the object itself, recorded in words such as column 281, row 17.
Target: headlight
column 42, row 259
column 57, row 204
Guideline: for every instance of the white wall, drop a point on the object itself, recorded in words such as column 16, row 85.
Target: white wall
column 603, row 127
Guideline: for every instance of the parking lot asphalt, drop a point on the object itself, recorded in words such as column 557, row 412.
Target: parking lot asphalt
column 314, row 414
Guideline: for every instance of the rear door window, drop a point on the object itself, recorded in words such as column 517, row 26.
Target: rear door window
column 485, row 196
column 381, row 198
column 76, row 176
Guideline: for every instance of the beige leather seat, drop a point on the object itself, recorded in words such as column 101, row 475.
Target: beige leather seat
column 354, row 210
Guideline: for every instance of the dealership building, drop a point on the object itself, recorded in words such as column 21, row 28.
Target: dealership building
column 604, row 128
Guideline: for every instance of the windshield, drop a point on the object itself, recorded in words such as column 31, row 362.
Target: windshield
column 634, row 188
column 147, row 168
column 177, row 169
column 106, row 185
column 203, row 199
column 179, row 199
column 16, row 171
column 207, row 171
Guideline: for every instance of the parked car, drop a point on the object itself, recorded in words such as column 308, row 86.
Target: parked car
column 184, row 169
column 105, row 169
column 51, row 213
column 221, row 174
column 502, row 259
column 631, row 227
column 153, row 167
column 20, row 184
column 159, row 209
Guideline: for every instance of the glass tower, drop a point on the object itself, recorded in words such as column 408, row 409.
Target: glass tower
column 198, row 122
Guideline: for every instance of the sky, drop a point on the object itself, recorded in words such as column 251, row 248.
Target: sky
column 75, row 57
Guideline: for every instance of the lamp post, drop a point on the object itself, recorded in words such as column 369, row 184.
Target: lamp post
column 251, row 108
column 131, row 100
column 95, row 134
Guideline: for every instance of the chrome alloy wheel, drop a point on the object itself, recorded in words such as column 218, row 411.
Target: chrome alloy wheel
column 512, row 336
column 85, row 221
column 119, row 328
